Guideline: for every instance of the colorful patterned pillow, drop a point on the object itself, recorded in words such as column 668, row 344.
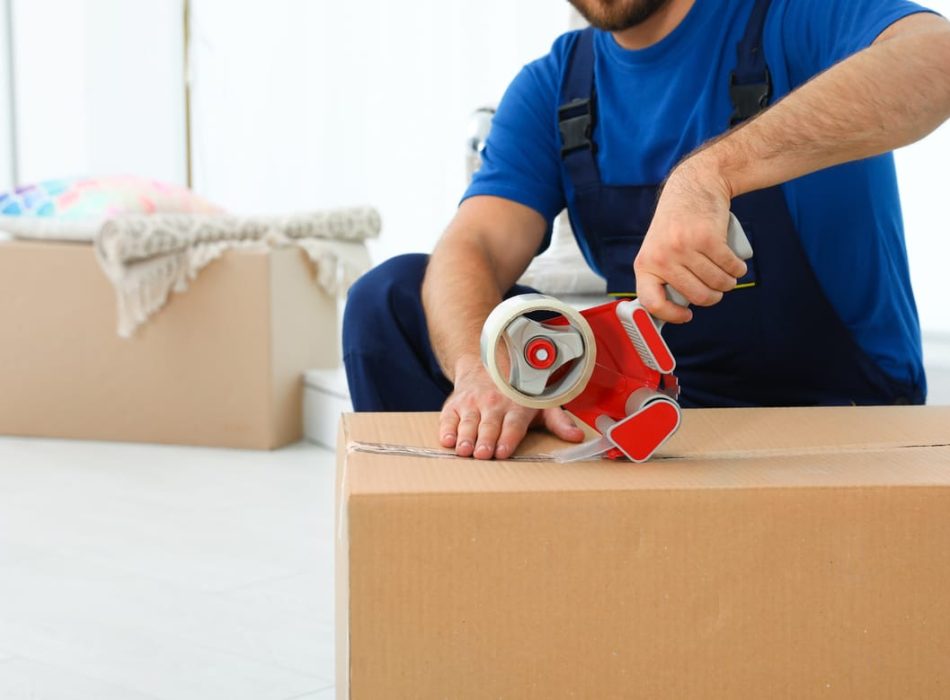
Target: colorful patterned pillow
column 75, row 208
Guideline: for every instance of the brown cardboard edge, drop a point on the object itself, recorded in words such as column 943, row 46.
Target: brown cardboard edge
column 274, row 421
column 928, row 464
column 729, row 433
column 342, row 575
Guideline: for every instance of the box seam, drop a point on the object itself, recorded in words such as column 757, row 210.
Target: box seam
column 665, row 490
column 394, row 450
column 343, row 542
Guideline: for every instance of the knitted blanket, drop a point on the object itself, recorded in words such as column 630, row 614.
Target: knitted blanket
column 147, row 257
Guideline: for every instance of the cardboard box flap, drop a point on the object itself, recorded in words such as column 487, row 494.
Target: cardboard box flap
column 718, row 432
column 714, row 449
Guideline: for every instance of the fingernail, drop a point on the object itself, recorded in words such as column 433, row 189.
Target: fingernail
column 464, row 445
column 501, row 451
column 449, row 437
column 484, row 449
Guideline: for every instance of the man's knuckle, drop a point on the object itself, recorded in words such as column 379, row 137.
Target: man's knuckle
column 708, row 239
column 491, row 418
column 651, row 305
column 493, row 400
column 521, row 417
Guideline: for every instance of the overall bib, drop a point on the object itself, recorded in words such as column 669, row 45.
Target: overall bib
column 776, row 339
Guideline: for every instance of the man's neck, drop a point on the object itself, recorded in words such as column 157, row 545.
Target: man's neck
column 655, row 27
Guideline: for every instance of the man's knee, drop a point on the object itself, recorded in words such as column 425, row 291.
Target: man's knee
column 377, row 297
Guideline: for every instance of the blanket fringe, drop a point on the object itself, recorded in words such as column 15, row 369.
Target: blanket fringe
column 146, row 263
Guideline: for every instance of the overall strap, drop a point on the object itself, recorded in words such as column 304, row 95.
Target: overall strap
column 750, row 84
column 575, row 115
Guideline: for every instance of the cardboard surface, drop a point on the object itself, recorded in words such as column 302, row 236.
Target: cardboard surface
column 220, row 365
column 772, row 553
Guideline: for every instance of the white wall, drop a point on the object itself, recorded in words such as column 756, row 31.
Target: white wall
column 99, row 88
column 310, row 103
column 924, row 171
column 6, row 111
column 924, row 175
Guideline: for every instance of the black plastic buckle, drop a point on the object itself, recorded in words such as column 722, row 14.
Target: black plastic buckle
column 748, row 100
column 574, row 122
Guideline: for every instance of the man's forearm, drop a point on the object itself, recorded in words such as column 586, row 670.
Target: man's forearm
column 484, row 250
column 459, row 291
column 889, row 95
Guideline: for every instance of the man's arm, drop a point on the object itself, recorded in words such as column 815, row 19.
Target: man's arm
column 485, row 249
column 889, row 95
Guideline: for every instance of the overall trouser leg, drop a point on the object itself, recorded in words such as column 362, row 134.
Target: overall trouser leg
column 389, row 362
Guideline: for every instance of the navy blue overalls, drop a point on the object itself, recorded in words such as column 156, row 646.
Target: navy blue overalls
column 776, row 340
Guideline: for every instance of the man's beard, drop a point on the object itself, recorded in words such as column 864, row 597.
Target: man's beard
column 616, row 15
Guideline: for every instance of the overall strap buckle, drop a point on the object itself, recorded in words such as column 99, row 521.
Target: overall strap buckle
column 750, row 99
column 574, row 121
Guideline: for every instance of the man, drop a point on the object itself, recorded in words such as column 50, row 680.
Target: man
column 823, row 314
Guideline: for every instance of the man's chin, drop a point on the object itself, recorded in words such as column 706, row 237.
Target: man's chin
column 617, row 15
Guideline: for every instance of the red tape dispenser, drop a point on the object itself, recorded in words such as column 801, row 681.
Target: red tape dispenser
column 608, row 365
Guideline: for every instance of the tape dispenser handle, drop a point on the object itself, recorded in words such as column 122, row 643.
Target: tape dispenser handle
column 738, row 243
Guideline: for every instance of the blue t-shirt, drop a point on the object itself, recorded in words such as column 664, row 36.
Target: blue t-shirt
column 658, row 104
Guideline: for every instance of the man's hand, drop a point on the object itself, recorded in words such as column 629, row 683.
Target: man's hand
column 886, row 96
column 485, row 249
column 480, row 422
column 686, row 244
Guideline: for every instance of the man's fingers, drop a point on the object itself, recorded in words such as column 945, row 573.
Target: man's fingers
column 727, row 261
column 653, row 297
column 561, row 424
column 479, row 422
column 513, row 430
column 497, row 433
column 488, row 430
column 711, row 275
column 693, row 288
column 448, row 427
column 467, row 432
column 703, row 284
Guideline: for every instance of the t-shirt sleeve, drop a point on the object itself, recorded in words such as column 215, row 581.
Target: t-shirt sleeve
column 820, row 33
column 521, row 160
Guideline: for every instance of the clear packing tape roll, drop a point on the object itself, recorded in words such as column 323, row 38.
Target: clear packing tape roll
column 503, row 326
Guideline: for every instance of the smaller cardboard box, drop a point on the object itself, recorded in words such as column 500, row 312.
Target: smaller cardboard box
column 220, row 365
column 767, row 553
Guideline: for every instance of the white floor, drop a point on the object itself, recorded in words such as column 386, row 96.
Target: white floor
column 134, row 572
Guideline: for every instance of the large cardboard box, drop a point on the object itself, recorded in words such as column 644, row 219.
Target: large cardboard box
column 768, row 553
column 220, row 365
